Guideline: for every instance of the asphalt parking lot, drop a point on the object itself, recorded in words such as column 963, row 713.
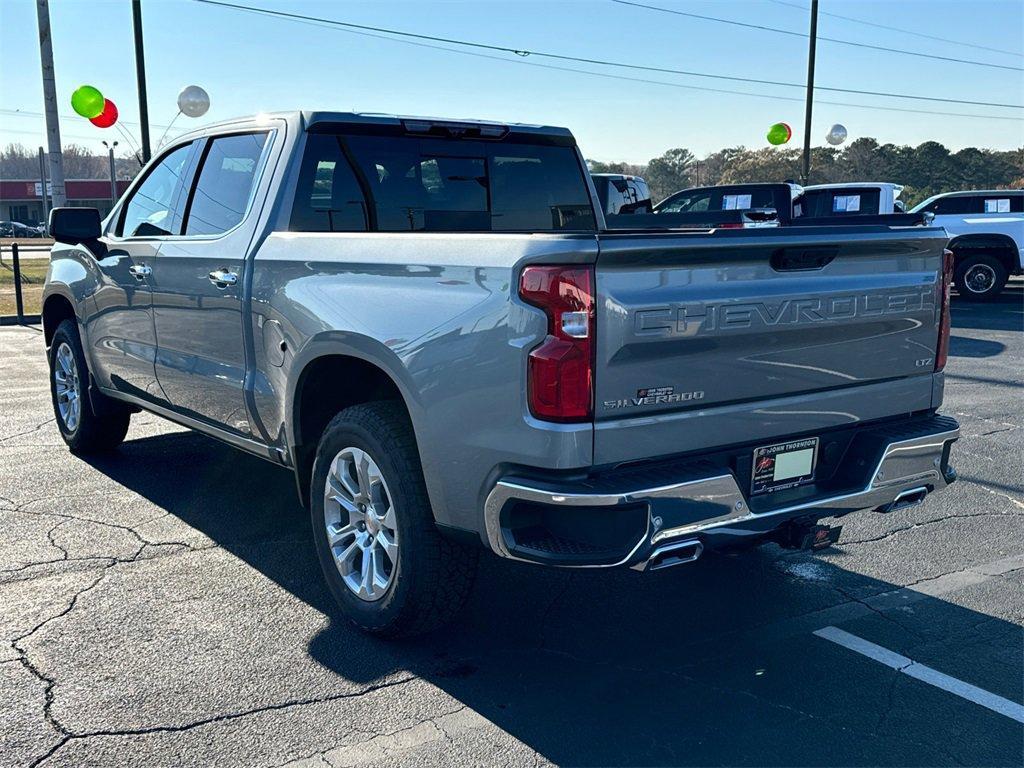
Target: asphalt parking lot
column 163, row 606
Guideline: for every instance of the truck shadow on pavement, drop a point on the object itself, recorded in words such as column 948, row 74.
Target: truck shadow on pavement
column 709, row 664
column 1004, row 313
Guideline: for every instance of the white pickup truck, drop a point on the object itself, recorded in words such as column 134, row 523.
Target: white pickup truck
column 985, row 227
column 853, row 199
column 986, row 230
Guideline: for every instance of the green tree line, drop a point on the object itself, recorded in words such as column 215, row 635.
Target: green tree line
column 924, row 170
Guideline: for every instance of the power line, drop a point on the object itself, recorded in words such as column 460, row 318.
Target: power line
column 29, row 113
column 626, row 78
column 776, row 30
column 599, row 62
column 901, row 30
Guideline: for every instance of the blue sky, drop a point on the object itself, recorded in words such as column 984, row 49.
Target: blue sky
column 252, row 63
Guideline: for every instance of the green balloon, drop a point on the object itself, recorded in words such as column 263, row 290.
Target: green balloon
column 779, row 133
column 87, row 101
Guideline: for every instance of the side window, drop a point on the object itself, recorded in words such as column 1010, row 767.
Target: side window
column 328, row 197
column 685, row 203
column 958, row 205
column 224, row 183
column 699, row 203
column 476, row 186
column 149, row 211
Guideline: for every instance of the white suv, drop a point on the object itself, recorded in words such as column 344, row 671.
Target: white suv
column 986, row 230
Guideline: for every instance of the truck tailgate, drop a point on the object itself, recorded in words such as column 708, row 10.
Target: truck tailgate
column 713, row 339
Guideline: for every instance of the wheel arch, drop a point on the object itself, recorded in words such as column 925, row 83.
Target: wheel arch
column 57, row 307
column 332, row 374
column 999, row 246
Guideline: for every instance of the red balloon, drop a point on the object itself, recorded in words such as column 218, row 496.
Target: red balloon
column 107, row 117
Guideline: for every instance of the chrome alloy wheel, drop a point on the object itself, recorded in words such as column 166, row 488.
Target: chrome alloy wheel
column 67, row 387
column 980, row 278
column 361, row 527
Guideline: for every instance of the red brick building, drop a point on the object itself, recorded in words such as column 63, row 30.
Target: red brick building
column 21, row 199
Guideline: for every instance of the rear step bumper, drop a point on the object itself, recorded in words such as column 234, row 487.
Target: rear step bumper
column 650, row 518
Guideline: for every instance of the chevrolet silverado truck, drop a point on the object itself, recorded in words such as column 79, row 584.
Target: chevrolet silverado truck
column 986, row 229
column 432, row 326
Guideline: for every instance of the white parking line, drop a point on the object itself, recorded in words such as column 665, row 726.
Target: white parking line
column 925, row 674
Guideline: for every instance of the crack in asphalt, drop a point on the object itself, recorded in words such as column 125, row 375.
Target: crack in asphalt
column 47, row 681
column 144, row 544
column 70, row 736
column 926, row 523
column 36, row 428
column 878, row 611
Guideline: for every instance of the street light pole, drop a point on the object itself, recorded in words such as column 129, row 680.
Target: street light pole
column 140, row 75
column 58, row 194
column 113, row 177
column 812, row 45
column 42, row 187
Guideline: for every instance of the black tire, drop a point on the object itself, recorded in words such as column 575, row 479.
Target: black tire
column 433, row 574
column 979, row 277
column 90, row 431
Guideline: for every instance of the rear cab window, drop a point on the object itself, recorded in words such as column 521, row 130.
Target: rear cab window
column 854, row 201
column 402, row 183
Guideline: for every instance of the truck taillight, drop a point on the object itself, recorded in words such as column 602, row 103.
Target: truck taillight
column 560, row 370
column 942, row 351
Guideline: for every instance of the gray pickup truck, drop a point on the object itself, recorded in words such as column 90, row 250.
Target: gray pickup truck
column 432, row 325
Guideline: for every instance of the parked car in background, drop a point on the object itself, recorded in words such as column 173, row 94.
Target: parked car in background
column 619, row 193
column 435, row 327
column 17, row 229
column 853, row 199
column 786, row 204
column 734, row 197
column 986, row 229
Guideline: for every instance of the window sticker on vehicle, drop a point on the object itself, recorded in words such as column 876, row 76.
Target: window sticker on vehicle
column 1001, row 205
column 735, row 202
column 846, row 204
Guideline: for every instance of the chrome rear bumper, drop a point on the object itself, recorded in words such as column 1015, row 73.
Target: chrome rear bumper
column 712, row 509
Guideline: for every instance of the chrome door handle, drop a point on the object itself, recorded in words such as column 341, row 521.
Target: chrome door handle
column 140, row 271
column 222, row 278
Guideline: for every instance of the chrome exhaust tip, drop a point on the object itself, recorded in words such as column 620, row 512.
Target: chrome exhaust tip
column 669, row 555
column 905, row 499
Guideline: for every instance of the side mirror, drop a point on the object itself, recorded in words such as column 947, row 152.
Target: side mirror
column 75, row 225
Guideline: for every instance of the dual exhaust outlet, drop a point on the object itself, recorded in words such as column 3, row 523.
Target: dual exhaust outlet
column 668, row 555
column 682, row 552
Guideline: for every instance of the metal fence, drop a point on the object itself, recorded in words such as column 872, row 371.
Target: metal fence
column 20, row 286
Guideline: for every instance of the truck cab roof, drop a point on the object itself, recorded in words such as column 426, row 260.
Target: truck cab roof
column 896, row 188
column 317, row 121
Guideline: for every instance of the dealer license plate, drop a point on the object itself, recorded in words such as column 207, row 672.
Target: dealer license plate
column 785, row 465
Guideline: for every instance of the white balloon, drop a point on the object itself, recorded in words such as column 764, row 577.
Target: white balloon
column 193, row 101
column 836, row 135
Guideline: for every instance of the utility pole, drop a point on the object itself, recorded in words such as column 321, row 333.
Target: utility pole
column 113, row 176
column 812, row 45
column 59, row 196
column 140, row 75
column 42, row 181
